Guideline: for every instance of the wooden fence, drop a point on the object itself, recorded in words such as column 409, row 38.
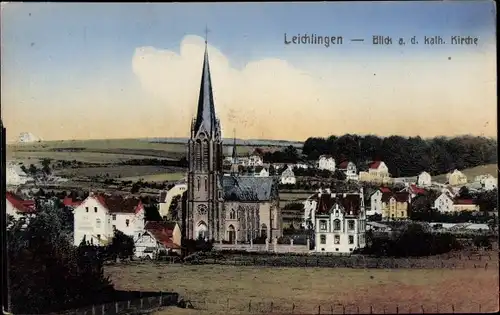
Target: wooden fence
column 143, row 304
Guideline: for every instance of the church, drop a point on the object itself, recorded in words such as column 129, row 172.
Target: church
column 225, row 208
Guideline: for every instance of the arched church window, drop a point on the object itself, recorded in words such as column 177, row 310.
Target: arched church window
column 206, row 184
column 198, row 182
column 205, row 154
column 232, row 214
column 197, row 150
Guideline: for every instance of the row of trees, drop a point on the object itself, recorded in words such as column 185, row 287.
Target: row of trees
column 407, row 156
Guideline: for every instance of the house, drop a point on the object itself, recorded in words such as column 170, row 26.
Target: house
column 414, row 190
column 487, row 182
column 340, row 223
column 460, row 205
column 444, row 202
column 456, row 178
column 255, row 159
column 166, row 197
column 376, row 201
column 288, row 177
column 326, row 162
column 349, row 169
column 424, row 179
column 378, row 169
column 17, row 207
column 97, row 217
column 377, row 172
column 15, row 176
column 310, row 205
column 261, row 171
column 395, row 206
column 303, row 166
column 158, row 237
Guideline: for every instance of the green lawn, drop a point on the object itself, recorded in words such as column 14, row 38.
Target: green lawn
column 156, row 177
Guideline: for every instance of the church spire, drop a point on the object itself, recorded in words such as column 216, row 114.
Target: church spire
column 234, row 155
column 205, row 117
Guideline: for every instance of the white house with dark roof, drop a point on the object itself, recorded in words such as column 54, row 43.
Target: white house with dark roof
column 96, row 218
column 288, row 177
column 486, row 182
column 158, row 237
column 340, row 223
column 326, row 162
column 424, row 179
column 349, row 169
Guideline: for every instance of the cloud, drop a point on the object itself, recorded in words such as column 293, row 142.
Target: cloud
column 274, row 99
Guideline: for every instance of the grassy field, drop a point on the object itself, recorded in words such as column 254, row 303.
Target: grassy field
column 157, row 177
column 491, row 169
column 210, row 287
column 125, row 171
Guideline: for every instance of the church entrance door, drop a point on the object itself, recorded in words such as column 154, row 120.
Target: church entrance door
column 231, row 233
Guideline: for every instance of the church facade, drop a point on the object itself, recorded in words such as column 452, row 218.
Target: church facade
column 229, row 208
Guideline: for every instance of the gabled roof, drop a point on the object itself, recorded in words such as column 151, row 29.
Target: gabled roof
column 162, row 232
column 22, row 206
column 248, row 188
column 351, row 203
column 118, row 204
column 385, row 189
column 399, row 196
column 343, row 165
column 325, row 156
column 417, row 190
column 69, row 202
column 288, row 173
column 463, row 202
column 375, row 164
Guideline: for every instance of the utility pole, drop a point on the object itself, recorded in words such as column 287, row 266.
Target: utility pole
column 3, row 222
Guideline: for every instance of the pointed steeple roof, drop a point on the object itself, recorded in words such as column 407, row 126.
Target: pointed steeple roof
column 205, row 117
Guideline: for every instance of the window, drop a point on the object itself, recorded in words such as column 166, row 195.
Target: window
column 350, row 249
column 206, row 184
column 114, row 227
column 336, row 249
column 127, row 222
column 95, row 209
column 336, row 225
column 232, row 214
column 114, row 217
column 322, row 239
column 86, row 209
column 198, row 180
column 351, row 239
column 322, row 225
column 402, row 214
column 99, row 237
column 98, row 223
column 336, row 239
column 350, row 224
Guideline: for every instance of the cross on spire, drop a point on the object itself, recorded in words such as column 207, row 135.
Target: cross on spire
column 206, row 34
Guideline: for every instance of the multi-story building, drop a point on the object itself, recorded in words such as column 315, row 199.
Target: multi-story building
column 349, row 169
column 340, row 225
column 98, row 216
column 395, row 206
column 326, row 162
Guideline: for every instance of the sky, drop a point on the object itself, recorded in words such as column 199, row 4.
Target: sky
column 112, row 70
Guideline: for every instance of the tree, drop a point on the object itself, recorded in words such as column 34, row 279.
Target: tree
column 151, row 213
column 32, row 170
column 121, row 246
column 47, row 273
column 46, row 166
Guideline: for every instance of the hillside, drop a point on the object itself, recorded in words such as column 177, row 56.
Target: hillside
column 472, row 172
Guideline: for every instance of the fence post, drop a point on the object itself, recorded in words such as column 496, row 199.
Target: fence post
column 116, row 307
column 249, row 306
column 128, row 304
column 371, row 309
column 161, row 299
column 479, row 307
column 422, row 307
column 272, row 307
column 293, row 307
column 397, row 309
column 103, row 310
column 357, row 306
column 227, row 306
column 331, row 309
column 343, row 309
column 319, row 309
column 142, row 302
column 93, row 309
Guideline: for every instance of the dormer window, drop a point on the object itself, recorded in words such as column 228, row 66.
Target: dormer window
column 127, row 222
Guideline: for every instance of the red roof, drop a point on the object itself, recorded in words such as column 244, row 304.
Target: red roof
column 464, row 202
column 400, row 196
column 343, row 165
column 385, row 189
column 162, row 232
column 375, row 164
column 119, row 204
column 24, row 206
column 68, row 202
column 417, row 190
